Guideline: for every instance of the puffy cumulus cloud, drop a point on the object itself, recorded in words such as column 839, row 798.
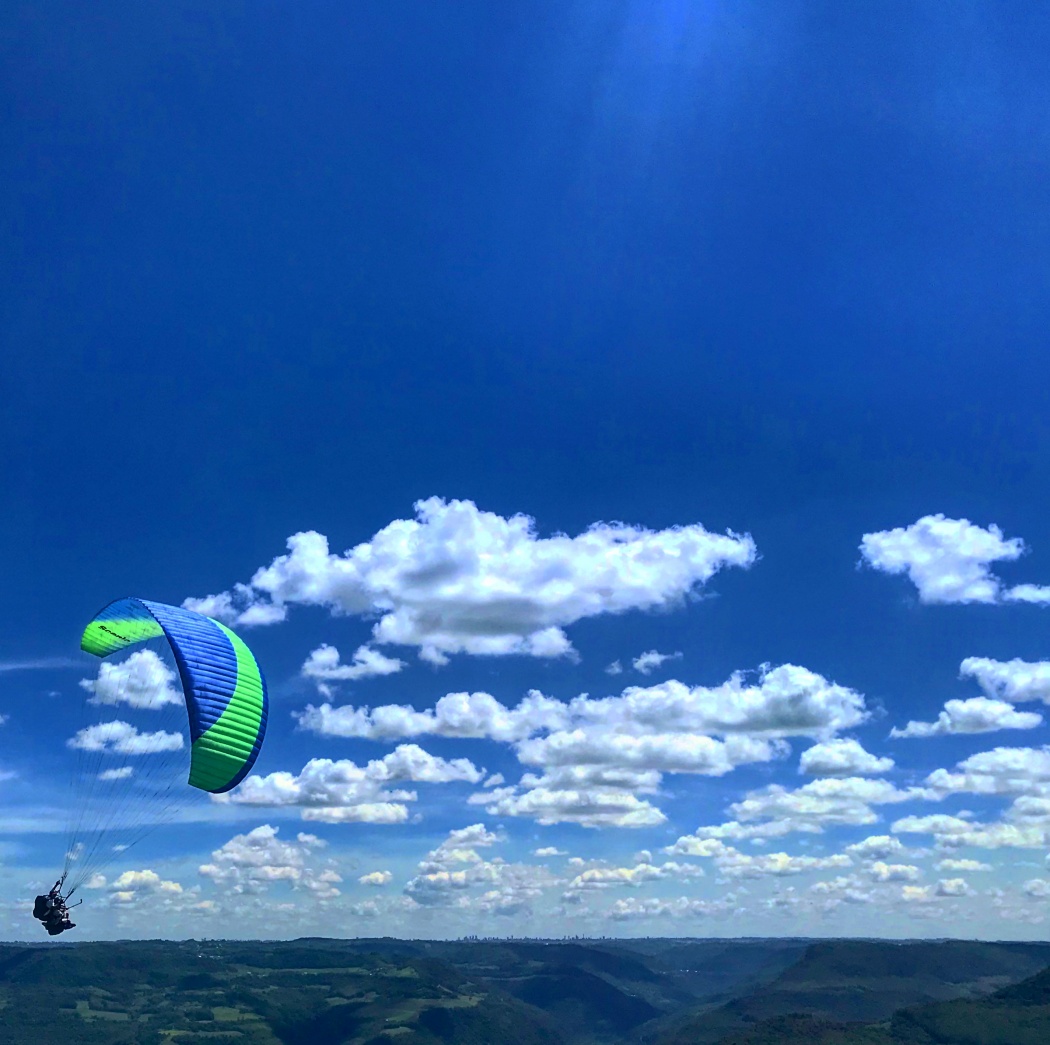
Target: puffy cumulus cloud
column 590, row 807
column 976, row 715
column 1037, row 888
column 823, row 802
column 883, row 872
column 660, row 753
column 376, row 878
column 636, row 907
column 116, row 774
column 1039, row 594
column 917, row 894
column 734, row 864
column 599, row 755
column 461, row 715
column 949, row 864
column 948, row 560
column 1016, row 681
column 451, row 874
column 121, row 738
column 612, row 749
column 130, row 886
column 549, row 850
column 344, row 792
column 461, row 847
column 1001, row 771
column 954, row 887
column 609, row 877
column 876, row 847
column 252, row 862
column 954, row 832
column 786, row 701
column 648, row 662
column 456, row 579
column 615, row 668
column 843, row 889
column 141, row 680
column 842, row 758
column 757, row 833
column 324, row 666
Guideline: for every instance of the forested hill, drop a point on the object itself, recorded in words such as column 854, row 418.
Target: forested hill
column 635, row 992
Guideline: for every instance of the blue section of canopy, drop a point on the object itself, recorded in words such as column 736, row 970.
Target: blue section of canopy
column 206, row 662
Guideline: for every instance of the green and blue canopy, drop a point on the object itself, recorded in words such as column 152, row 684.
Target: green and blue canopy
column 224, row 689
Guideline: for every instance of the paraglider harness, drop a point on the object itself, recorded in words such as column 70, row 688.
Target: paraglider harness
column 53, row 909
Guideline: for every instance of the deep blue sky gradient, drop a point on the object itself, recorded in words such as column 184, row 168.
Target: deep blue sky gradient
column 780, row 268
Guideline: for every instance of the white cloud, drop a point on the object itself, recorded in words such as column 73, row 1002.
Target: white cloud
column 343, row 792
column 787, row 701
column 823, row 802
column 457, row 579
column 455, row 715
column 251, row 862
column 648, row 662
column 142, row 680
column 954, row 887
column 976, row 715
column 948, row 864
column 449, row 873
column 1039, row 594
column 145, row 880
column 633, row 907
column 953, row 832
column 116, row 774
column 599, row 878
column 876, row 847
column 948, row 560
column 1001, row 771
column 376, row 878
column 734, row 864
column 599, row 754
column 615, row 668
column 662, row 753
column 917, row 894
column 841, row 758
column 883, row 872
column 549, row 850
column 843, row 889
column 43, row 664
column 1017, row 681
column 120, row 738
column 323, row 665
column 127, row 892
column 1037, row 888
column 589, row 807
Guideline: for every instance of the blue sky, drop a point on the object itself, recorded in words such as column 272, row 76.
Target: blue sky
column 702, row 269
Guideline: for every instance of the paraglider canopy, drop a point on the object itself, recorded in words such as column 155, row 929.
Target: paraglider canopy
column 224, row 689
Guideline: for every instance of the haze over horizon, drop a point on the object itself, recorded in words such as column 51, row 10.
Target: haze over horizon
column 618, row 430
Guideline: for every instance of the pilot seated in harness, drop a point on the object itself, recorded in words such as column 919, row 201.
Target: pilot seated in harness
column 52, row 910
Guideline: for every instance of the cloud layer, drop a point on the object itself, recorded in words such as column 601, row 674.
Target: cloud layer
column 460, row 580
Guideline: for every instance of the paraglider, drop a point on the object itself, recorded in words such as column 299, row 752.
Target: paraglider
column 51, row 909
column 223, row 706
